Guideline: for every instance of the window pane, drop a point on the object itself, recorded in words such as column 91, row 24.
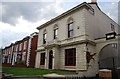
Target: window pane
column 70, row 30
column 24, row 56
column 44, row 38
column 71, row 26
column 55, row 33
column 70, row 57
column 70, row 53
column 112, row 27
column 71, row 33
column 70, row 62
column 20, row 47
column 42, row 61
column 16, row 47
column 25, row 45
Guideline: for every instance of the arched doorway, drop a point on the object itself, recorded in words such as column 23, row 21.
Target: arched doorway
column 50, row 59
column 109, row 56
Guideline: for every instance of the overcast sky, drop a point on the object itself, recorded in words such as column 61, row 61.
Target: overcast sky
column 19, row 18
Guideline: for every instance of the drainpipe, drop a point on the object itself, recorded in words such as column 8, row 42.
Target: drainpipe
column 29, row 49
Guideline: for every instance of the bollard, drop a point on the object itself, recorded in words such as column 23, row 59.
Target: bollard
column 105, row 74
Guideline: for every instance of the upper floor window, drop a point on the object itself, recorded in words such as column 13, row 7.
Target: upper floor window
column 112, row 27
column 55, row 32
column 20, row 48
column 12, row 48
column 9, row 50
column 44, row 36
column 5, row 52
column 16, row 47
column 25, row 45
column 70, row 27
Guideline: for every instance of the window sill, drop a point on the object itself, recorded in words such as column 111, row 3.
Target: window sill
column 42, row 65
column 70, row 38
column 70, row 66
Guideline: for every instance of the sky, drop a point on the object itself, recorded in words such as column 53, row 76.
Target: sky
column 20, row 18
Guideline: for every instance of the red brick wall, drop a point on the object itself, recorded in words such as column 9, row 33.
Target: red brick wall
column 32, row 52
column 33, row 48
column 21, row 51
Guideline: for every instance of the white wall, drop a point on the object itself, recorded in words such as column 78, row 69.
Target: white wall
column 79, row 22
column 95, row 26
column 99, row 24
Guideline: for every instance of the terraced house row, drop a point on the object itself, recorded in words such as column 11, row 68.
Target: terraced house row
column 21, row 53
column 83, row 39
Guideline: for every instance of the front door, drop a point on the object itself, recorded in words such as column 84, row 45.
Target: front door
column 50, row 59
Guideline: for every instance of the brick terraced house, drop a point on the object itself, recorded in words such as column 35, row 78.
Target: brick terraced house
column 83, row 39
column 22, row 52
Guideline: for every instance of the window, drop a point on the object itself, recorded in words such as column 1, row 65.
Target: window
column 55, row 32
column 9, row 50
column 114, row 45
column 24, row 56
column 18, row 60
column 70, row 57
column 20, row 48
column 112, row 27
column 70, row 27
column 25, row 45
column 44, row 36
column 12, row 48
column 42, row 60
column 16, row 47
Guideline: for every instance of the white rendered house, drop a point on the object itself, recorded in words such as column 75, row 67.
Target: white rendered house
column 74, row 40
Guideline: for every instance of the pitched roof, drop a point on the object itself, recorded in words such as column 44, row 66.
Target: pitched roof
column 65, row 13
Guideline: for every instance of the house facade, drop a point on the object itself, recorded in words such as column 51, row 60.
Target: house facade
column 7, row 54
column 74, row 40
column 22, row 52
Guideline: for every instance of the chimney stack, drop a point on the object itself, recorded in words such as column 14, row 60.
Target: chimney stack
column 93, row 1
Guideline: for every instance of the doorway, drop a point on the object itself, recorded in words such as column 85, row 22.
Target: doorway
column 50, row 59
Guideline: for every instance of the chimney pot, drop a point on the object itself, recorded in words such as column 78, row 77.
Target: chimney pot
column 93, row 1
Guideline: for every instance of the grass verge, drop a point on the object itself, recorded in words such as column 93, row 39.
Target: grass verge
column 31, row 71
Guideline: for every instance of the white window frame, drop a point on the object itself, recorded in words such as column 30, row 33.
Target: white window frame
column 70, row 30
column 25, row 45
column 112, row 27
column 55, row 32
column 16, row 48
column 44, row 36
column 20, row 48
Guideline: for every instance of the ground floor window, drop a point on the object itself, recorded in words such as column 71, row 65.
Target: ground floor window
column 24, row 57
column 70, row 57
column 42, row 59
column 19, row 59
column 6, row 58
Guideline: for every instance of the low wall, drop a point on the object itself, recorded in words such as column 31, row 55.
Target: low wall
column 16, row 65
